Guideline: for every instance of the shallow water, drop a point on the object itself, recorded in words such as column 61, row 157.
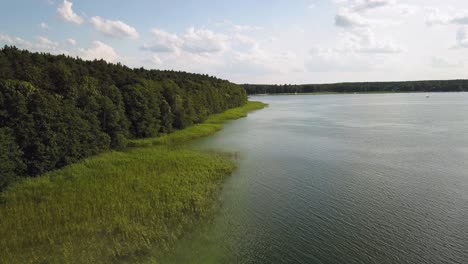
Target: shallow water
column 342, row 179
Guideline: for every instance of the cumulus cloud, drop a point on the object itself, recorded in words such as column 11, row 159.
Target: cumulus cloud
column 349, row 19
column 365, row 41
column 114, row 28
column 365, row 5
column 204, row 50
column 357, row 13
column 351, row 53
column 45, row 42
column 203, row 41
column 436, row 17
column 197, row 41
column 44, row 25
column 71, row 41
column 65, row 11
column 41, row 44
column 99, row 51
column 155, row 59
column 460, row 19
column 359, row 30
column 163, row 41
column 16, row 41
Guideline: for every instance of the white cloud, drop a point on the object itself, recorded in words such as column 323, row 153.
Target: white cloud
column 16, row 41
column 203, row 41
column 155, row 59
column 365, row 41
column 196, row 41
column 45, row 42
column 351, row 53
column 436, row 17
column 66, row 12
column 359, row 30
column 348, row 19
column 163, row 42
column 365, row 5
column 42, row 44
column 462, row 38
column 358, row 13
column 71, row 41
column 114, row 28
column 221, row 54
column 99, row 51
column 461, row 18
column 44, row 25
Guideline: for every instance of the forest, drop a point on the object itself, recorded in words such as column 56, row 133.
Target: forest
column 361, row 87
column 57, row 110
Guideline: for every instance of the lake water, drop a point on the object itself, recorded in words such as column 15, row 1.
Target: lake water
column 379, row 178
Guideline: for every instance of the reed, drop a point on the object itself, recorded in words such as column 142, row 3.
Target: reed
column 119, row 206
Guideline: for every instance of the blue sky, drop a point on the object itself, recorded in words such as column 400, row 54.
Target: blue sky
column 279, row 41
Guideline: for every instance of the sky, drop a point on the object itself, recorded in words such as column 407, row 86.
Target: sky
column 246, row 41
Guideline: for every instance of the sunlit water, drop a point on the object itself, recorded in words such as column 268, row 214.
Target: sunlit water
column 342, row 179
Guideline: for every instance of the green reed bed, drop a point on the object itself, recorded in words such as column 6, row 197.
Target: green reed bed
column 117, row 206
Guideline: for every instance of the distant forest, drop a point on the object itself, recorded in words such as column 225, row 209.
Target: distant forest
column 56, row 110
column 361, row 87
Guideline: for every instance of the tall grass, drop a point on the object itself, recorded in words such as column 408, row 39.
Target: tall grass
column 117, row 206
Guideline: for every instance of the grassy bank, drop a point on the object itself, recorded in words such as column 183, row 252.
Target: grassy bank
column 117, row 206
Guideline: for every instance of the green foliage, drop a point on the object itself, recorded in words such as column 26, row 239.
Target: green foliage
column 211, row 125
column 11, row 163
column 117, row 207
column 63, row 109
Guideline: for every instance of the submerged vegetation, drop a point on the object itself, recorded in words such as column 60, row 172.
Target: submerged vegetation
column 120, row 206
column 57, row 110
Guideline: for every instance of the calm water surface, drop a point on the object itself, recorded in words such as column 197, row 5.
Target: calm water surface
column 342, row 179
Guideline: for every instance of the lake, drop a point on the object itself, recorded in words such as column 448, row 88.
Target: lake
column 355, row 178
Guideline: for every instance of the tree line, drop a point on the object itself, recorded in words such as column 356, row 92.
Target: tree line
column 361, row 87
column 56, row 110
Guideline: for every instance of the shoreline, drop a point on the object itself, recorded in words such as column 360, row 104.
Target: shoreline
column 119, row 206
column 334, row 93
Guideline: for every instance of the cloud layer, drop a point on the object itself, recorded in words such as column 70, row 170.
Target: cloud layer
column 357, row 39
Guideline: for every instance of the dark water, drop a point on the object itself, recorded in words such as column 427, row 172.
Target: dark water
column 342, row 179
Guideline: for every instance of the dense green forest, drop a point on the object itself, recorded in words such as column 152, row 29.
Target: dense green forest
column 56, row 110
column 361, row 87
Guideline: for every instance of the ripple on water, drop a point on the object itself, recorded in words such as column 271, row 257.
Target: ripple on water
column 343, row 179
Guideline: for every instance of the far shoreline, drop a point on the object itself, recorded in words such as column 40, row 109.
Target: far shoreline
column 335, row 93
